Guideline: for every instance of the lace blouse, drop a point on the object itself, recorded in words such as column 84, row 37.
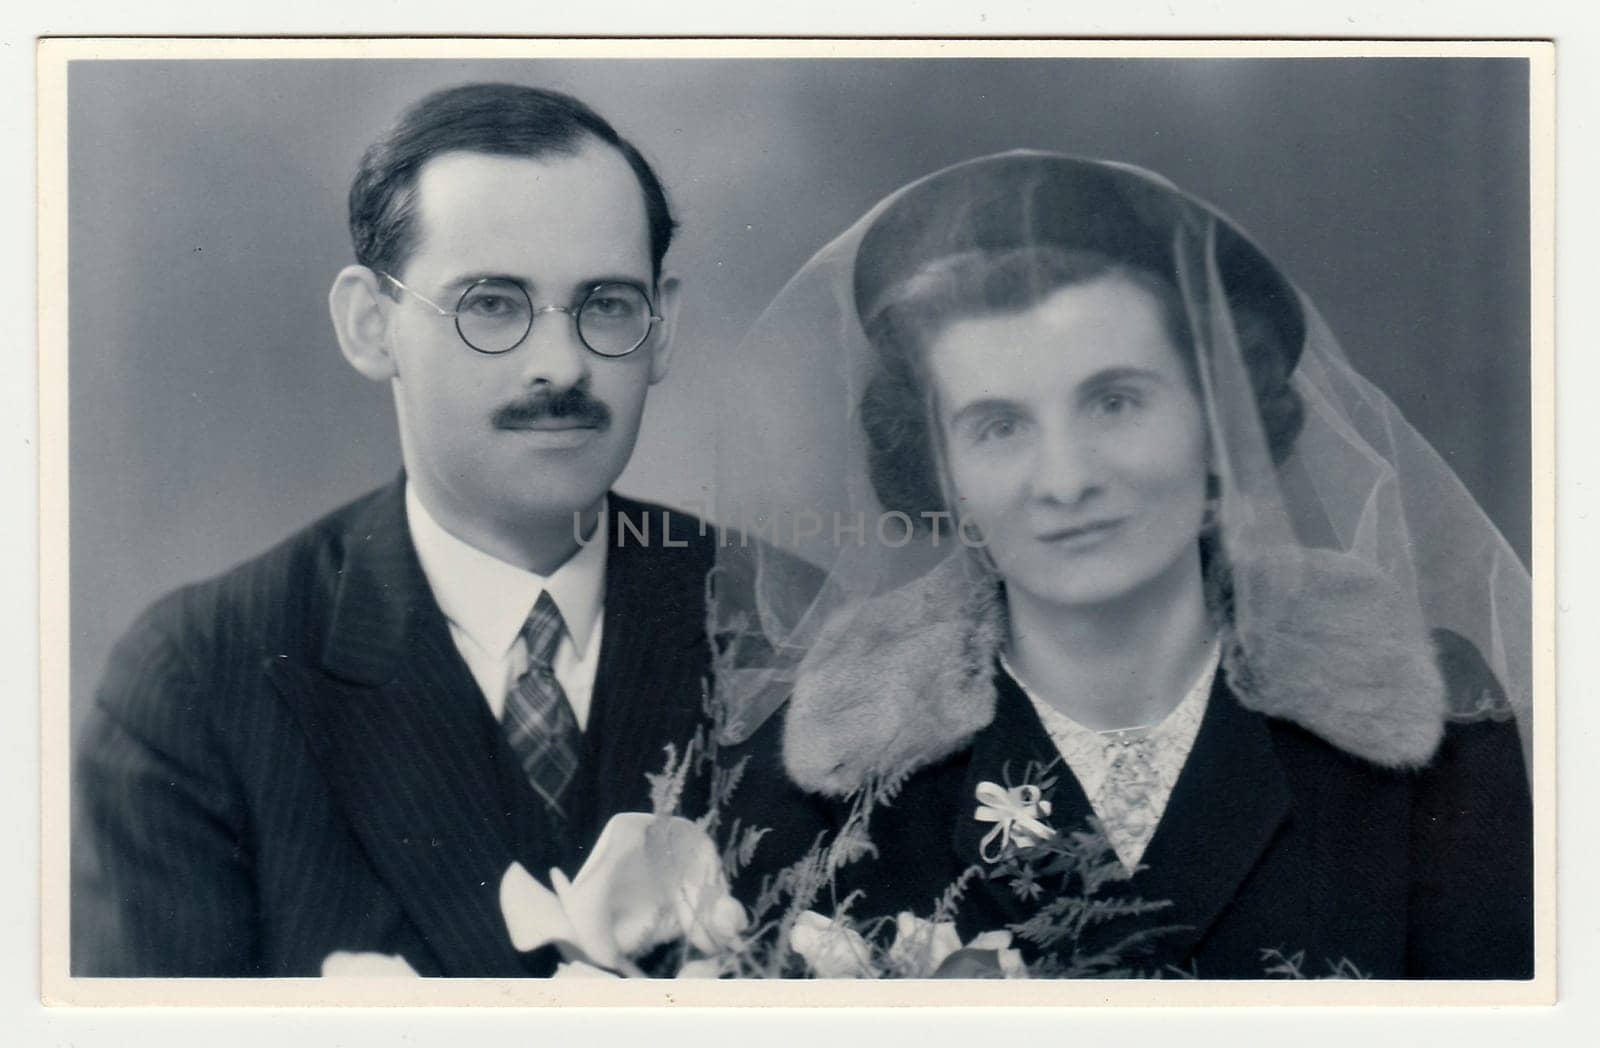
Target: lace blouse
column 1128, row 773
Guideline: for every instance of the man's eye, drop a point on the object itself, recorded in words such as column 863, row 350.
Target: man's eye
column 488, row 305
column 612, row 307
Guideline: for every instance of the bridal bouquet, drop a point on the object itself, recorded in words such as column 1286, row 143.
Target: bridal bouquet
column 654, row 896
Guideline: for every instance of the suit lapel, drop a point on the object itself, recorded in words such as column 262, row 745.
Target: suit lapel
column 408, row 745
column 1012, row 750
column 1228, row 804
column 653, row 658
column 1226, row 807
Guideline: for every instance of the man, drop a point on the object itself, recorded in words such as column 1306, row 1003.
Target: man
column 340, row 746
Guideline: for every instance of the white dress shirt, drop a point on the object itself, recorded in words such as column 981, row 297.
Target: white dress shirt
column 486, row 601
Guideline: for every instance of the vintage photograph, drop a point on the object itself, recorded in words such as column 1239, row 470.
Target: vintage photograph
column 1046, row 516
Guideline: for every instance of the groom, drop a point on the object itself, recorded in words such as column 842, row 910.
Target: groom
column 341, row 745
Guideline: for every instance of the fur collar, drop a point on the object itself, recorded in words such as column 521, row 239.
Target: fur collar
column 906, row 678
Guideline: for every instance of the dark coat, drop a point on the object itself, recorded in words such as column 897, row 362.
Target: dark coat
column 293, row 759
column 1273, row 839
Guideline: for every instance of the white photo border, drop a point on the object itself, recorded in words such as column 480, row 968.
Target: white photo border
column 58, row 987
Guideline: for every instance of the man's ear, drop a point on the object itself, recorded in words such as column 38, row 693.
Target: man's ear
column 661, row 337
column 361, row 322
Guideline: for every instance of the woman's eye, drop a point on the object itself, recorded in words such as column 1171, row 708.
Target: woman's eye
column 997, row 429
column 1112, row 404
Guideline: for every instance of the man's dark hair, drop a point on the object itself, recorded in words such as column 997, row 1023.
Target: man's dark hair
column 496, row 119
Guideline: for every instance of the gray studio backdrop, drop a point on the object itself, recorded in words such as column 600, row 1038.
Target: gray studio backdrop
column 211, row 413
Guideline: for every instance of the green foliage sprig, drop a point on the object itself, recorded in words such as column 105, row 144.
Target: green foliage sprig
column 1067, row 875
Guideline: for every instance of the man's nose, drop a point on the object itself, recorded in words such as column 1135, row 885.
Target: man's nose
column 553, row 354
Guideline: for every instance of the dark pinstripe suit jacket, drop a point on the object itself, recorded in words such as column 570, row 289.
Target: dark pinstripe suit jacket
column 293, row 759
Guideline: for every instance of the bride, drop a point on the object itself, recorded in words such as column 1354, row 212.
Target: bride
column 1112, row 536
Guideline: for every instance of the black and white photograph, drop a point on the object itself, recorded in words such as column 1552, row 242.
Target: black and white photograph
column 987, row 524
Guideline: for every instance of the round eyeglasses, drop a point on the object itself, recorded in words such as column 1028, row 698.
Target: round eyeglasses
column 494, row 315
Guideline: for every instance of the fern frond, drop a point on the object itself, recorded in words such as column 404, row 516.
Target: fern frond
column 725, row 781
column 950, row 900
column 666, row 786
column 749, row 842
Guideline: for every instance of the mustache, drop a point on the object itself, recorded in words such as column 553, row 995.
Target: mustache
column 574, row 404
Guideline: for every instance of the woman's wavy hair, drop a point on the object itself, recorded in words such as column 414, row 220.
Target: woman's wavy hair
column 897, row 411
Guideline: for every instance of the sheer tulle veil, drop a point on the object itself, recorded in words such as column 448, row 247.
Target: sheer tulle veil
column 1343, row 554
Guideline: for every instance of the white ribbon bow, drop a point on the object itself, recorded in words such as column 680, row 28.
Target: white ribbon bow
column 1016, row 814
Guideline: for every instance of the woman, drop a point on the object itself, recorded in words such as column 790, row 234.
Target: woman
column 1126, row 545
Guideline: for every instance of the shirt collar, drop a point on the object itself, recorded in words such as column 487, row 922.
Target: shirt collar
column 489, row 599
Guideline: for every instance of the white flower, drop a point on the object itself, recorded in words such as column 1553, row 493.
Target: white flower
column 921, row 945
column 830, row 948
column 580, row 970
column 999, row 942
column 347, row 964
column 650, row 880
column 701, row 968
column 533, row 914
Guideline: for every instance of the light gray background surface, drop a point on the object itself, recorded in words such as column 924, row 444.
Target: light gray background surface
column 211, row 413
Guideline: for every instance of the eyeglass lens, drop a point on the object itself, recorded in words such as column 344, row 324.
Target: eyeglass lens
column 494, row 316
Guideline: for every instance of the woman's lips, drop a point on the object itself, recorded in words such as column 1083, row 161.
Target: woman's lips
column 1080, row 534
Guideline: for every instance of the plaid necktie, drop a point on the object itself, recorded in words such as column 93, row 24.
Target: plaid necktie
column 538, row 720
